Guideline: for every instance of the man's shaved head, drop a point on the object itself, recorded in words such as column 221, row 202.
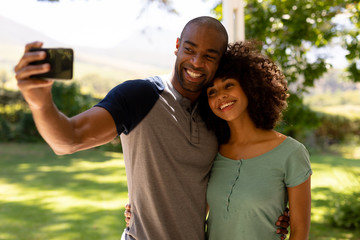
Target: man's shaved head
column 211, row 23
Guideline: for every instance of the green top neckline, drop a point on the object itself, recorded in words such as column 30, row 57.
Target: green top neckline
column 275, row 149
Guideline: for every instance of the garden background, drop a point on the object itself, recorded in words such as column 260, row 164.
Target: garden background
column 82, row 196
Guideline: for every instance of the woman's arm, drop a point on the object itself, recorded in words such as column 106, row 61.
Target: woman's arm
column 300, row 205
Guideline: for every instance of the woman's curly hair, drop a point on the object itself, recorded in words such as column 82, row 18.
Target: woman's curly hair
column 262, row 81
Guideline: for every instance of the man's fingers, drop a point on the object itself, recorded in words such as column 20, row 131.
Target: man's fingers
column 282, row 224
column 24, row 72
column 282, row 231
column 287, row 212
column 36, row 44
column 127, row 214
column 33, row 83
column 30, row 56
column 283, row 220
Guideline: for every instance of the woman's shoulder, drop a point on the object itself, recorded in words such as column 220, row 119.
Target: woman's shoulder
column 294, row 144
column 286, row 146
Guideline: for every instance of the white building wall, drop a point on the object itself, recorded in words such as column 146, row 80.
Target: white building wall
column 233, row 19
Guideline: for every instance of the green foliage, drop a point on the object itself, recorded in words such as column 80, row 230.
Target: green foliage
column 334, row 99
column 347, row 212
column 4, row 129
column 336, row 129
column 69, row 99
column 289, row 29
column 25, row 130
column 298, row 119
column 95, row 83
column 113, row 146
column 16, row 122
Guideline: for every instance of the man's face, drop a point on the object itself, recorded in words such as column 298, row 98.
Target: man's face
column 198, row 55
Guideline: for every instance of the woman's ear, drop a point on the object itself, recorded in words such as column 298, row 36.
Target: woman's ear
column 177, row 46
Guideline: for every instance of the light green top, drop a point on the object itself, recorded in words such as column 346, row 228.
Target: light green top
column 246, row 197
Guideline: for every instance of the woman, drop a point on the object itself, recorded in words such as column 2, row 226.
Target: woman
column 257, row 170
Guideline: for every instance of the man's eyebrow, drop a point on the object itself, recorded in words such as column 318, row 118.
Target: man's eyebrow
column 209, row 50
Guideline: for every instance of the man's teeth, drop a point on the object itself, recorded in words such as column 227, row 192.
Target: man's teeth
column 194, row 75
column 226, row 105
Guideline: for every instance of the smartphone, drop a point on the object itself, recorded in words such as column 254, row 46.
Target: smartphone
column 61, row 62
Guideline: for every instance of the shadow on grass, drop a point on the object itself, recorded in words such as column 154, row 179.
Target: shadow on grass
column 325, row 191
column 80, row 173
column 322, row 229
column 44, row 196
column 335, row 160
column 29, row 222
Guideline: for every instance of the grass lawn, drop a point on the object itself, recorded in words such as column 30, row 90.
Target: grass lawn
column 334, row 177
column 49, row 197
column 82, row 196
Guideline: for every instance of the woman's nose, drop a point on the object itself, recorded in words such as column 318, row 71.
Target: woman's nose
column 223, row 95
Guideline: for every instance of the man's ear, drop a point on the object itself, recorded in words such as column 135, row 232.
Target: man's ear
column 177, row 46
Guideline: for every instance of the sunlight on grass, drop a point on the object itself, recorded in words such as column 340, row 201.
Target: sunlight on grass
column 334, row 176
column 56, row 227
column 100, row 179
column 6, row 236
column 59, row 203
column 44, row 196
column 346, row 110
column 349, row 151
column 82, row 196
column 337, row 179
column 57, row 200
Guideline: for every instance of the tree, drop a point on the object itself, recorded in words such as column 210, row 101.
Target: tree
column 289, row 29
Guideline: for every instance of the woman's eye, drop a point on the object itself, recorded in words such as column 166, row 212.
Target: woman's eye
column 228, row 85
column 211, row 93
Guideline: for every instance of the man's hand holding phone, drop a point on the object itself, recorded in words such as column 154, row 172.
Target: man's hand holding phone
column 35, row 88
column 60, row 60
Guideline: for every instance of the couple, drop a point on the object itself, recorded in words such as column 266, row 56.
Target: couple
column 168, row 148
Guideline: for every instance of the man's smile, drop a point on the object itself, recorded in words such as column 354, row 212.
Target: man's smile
column 194, row 76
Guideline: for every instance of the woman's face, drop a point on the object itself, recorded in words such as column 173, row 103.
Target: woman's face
column 227, row 99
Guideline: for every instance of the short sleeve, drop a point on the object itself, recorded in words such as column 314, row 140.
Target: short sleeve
column 129, row 102
column 298, row 167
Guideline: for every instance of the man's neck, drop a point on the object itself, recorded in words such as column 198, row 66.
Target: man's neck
column 192, row 96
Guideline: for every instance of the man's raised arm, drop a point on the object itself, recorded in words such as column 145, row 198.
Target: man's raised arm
column 65, row 135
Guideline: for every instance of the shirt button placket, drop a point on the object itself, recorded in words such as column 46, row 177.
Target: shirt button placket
column 236, row 177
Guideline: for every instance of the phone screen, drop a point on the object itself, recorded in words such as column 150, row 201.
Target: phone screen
column 60, row 60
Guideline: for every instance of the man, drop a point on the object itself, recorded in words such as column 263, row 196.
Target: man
column 167, row 149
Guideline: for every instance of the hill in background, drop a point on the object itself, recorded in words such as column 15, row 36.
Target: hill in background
column 146, row 53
